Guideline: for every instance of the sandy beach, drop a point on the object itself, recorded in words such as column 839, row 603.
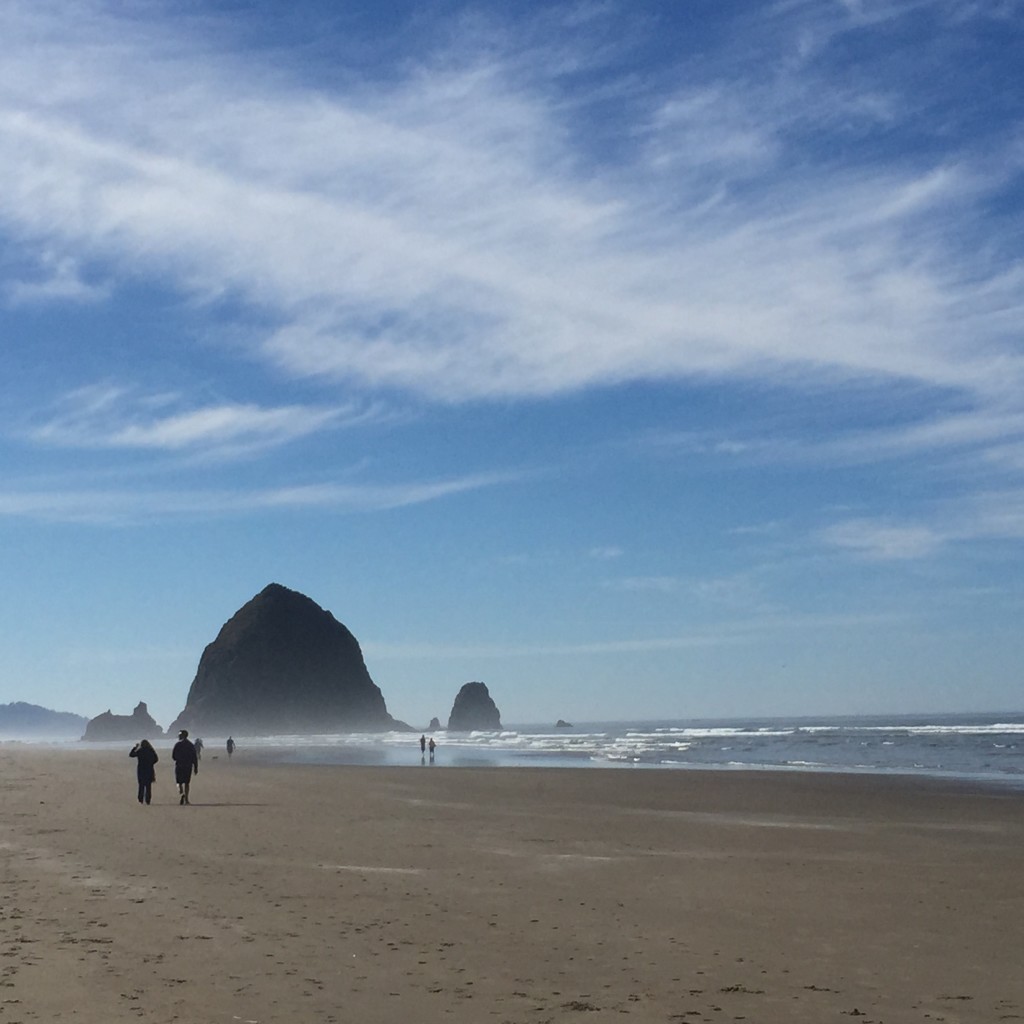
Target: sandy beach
column 303, row 893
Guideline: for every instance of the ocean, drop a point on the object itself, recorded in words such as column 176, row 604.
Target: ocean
column 980, row 747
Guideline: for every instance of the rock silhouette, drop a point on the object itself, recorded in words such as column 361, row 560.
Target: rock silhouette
column 138, row 725
column 473, row 709
column 282, row 664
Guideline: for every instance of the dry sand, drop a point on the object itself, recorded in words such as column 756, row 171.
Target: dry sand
column 319, row 894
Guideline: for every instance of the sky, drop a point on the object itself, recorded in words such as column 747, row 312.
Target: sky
column 641, row 360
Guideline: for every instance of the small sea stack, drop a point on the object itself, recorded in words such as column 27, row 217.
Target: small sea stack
column 474, row 710
column 138, row 725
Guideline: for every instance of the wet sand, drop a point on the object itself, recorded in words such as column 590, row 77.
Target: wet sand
column 321, row 894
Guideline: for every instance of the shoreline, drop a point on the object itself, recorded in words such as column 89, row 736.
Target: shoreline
column 980, row 747
column 390, row 756
column 332, row 893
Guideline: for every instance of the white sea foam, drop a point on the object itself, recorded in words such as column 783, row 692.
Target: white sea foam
column 1007, row 728
column 967, row 746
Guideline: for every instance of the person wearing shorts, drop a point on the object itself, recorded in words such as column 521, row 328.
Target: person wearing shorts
column 186, row 764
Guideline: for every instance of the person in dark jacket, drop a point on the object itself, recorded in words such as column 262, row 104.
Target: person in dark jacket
column 146, row 758
column 186, row 763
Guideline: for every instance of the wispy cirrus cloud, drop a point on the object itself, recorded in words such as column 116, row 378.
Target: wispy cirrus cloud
column 124, row 506
column 880, row 540
column 111, row 417
column 446, row 234
column 606, row 553
column 991, row 437
column 738, row 591
column 646, row 584
column 55, row 280
column 738, row 631
column 991, row 516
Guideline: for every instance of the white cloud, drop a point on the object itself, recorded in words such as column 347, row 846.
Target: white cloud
column 766, row 529
column 106, row 416
column 736, row 631
column 606, row 553
column 59, row 280
column 710, row 129
column 655, row 584
column 883, row 541
column 365, row 497
column 990, row 437
column 125, row 506
column 442, row 235
column 992, row 516
column 740, row 591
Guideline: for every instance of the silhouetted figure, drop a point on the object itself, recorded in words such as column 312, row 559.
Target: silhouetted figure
column 145, row 770
column 431, row 746
column 231, row 746
column 199, row 748
column 423, row 744
column 185, row 764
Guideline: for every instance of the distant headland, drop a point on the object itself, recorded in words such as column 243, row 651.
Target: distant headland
column 29, row 721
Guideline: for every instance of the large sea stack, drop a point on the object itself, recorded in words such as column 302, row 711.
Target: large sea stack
column 282, row 664
column 473, row 709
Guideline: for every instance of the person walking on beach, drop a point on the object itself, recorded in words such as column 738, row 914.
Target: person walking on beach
column 432, row 746
column 186, row 763
column 199, row 748
column 423, row 744
column 146, row 757
column 231, row 747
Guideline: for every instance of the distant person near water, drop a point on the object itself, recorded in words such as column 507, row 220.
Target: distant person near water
column 186, row 763
column 146, row 757
column 423, row 744
column 432, row 746
column 199, row 748
column 231, row 746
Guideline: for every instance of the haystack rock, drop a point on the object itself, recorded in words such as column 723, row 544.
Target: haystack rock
column 282, row 664
column 435, row 725
column 136, row 726
column 473, row 709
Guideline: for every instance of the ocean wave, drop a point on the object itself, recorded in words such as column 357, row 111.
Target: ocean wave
column 961, row 746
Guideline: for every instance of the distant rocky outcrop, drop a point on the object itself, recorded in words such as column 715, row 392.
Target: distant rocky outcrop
column 435, row 725
column 563, row 724
column 473, row 709
column 282, row 664
column 136, row 726
column 28, row 721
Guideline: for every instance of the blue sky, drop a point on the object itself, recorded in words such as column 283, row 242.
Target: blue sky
column 641, row 360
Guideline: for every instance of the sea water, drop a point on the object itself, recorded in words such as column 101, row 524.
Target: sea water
column 983, row 747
